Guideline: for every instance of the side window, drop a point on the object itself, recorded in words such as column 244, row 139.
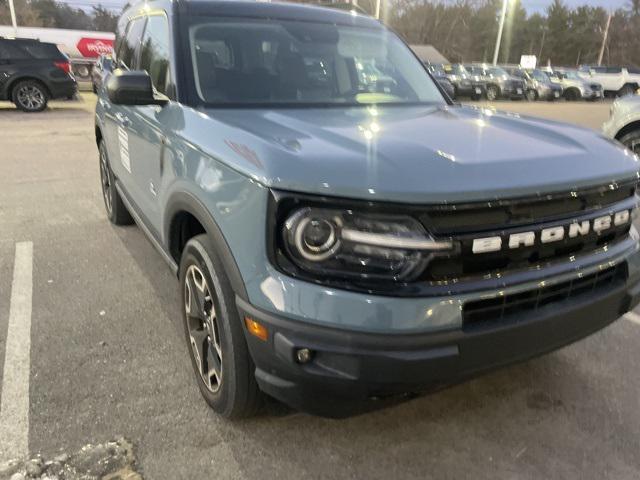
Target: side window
column 128, row 48
column 613, row 70
column 633, row 70
column 155, row 57
column 11, row 51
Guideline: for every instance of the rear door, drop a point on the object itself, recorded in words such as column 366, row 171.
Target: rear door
column 13, row 60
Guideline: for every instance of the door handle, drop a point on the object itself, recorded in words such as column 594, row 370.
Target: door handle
column 123, row 119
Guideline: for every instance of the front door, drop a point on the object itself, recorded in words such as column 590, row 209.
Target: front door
column 149, row 123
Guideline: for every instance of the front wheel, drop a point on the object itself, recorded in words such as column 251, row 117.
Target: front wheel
column 572, row 95
column 214, row 335
column 492, row 93
column 632, row 141
column 30, row 96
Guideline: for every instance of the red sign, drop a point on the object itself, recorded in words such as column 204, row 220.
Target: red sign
column 94, row 47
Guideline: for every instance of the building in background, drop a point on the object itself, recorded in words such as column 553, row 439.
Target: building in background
column 429, row 54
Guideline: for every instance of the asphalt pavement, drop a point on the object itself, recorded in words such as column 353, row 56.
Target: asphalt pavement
column 108, row 359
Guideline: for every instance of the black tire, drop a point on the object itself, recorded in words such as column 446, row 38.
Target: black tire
column 627, row 90
column 632, row 141
column 116, row 210
column 30, row 96
column 94, row 88
column 531, row 95
column 220, row 338
column 572, row 95
column 493, row 93
column 475, row 97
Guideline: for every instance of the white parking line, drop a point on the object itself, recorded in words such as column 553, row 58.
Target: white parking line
column 634, row 317
column 14, row 409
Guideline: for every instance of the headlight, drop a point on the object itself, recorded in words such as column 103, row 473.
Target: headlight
column 338, row 243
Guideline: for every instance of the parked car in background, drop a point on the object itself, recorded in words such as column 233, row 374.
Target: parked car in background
column 103, row 66
column 537, row 84
column 498, row 83
column 441, row 77
column 615, row 81
column 462, row 82
column 574, row 86
column 32, row 73
column 624, row 122
column 82, row 47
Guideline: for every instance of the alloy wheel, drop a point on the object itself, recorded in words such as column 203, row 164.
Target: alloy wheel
column 105, row 178
column 634, row 145
column 31, row 97
column 492, row 93
column 202, row 325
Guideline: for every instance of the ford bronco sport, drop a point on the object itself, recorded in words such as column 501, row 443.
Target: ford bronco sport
column 338, row 238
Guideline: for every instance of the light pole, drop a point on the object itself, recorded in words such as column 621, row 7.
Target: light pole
column 13, row 18
column 500, row 28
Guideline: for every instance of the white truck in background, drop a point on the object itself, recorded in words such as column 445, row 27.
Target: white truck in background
column 83, row 47
column 618, row 81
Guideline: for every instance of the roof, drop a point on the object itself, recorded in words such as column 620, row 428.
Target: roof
column 280, row 10
column 428, row 53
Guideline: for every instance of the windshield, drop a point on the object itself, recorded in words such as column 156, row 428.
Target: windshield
column 572, row 75
column 540, row 76
column 498, row 72
column 248, row 61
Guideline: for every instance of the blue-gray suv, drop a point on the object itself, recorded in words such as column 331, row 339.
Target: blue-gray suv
column 343, row 234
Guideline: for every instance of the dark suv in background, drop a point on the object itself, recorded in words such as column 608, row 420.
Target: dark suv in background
column 499, row 84
column 462, row 82
column 538, row 86
column 32, row 73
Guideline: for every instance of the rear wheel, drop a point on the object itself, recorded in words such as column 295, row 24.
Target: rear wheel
column 215, row 338
column 116, row 210
column 30, row 96
column 632, row 141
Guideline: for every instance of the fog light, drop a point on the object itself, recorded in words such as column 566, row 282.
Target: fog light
column 303, row 355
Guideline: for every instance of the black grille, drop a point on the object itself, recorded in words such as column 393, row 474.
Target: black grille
column 467, row 264
column 485, row 313
column 464, row 223
column 475, row 218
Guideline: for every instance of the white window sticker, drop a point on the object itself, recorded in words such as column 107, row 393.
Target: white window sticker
column 123, row 137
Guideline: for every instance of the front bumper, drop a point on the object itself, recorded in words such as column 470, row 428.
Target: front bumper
column 513, row 92
column 350, row 369
column 593, row 95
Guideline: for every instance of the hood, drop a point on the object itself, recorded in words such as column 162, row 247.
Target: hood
column 418, row 154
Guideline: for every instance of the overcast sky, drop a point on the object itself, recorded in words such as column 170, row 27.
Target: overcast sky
column 541, row 5
column 531, row 5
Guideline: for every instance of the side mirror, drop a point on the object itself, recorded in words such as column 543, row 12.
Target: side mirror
column 132, row 88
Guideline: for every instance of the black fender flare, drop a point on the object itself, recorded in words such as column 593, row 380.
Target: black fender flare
column 185, row 202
